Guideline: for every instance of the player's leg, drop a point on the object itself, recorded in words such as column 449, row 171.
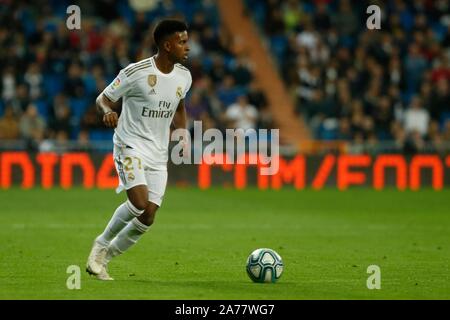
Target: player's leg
column 132, row 178
column 129, row 235
column 132, row 208
column 137, row 198
column 148, row 216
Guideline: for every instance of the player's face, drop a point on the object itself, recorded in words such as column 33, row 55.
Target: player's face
column 179, row 46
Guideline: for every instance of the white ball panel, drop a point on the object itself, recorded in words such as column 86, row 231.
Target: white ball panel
column 278, row 271
column 255, row 270
column 267, row 258
column 268, row 275
column 256, row 253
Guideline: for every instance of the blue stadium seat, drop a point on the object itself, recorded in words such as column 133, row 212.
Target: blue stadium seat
column 308, row 8
column 74, row 132
column 445, row 116
column 54, row 84
column 78, row 107
column 101, row 135
column 89, row 84
column 278, row 45
column 42, row 106
column 28, row 23
column 328, row 130
column 439, row 30
column 207, row 63
column 126, row 11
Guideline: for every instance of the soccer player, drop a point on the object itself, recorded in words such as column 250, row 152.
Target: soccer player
column 152, row 92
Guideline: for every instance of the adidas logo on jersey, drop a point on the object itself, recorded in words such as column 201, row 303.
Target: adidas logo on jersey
column 151, row 92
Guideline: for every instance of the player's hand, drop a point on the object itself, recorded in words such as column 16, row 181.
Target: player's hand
column 110, row 119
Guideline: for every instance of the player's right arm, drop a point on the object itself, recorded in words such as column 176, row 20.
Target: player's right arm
column 107, row 100
column 106, row 107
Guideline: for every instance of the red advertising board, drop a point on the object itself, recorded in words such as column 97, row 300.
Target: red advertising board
column 48, row 170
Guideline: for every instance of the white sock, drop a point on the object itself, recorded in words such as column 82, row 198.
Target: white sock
column 121, row 217
column 126, row 238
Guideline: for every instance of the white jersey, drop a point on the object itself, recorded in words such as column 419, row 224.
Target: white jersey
column 150, row 99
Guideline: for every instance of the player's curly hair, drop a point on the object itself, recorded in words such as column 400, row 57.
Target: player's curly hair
column 166, row 28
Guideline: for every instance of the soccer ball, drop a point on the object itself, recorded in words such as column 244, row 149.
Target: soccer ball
column 264, row 265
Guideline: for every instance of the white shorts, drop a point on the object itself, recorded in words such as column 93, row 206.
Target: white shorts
column 133, row 171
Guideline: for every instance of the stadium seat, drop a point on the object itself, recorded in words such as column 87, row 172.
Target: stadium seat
column 89, row 84
column 278, row 45
column 124, row 8
column 445, row 116
column 53, row 84
column 101, row 135
column 328, row 129
column 42, row 106
column 78, row 107
column 439, row 30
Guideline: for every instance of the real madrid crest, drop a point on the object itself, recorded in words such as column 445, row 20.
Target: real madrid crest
column 131, row 176
column 179, row 92
column 151, row 79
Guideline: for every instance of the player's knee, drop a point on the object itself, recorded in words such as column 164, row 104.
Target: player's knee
column 140, row 204
column 148, row 217
column 138, row 196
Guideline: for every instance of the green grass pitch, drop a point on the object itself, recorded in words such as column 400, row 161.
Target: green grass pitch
column 198, row 246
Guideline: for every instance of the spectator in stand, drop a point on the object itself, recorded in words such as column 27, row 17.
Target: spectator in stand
column 8, row 84
column 274, row 24
column 383, row 116
column 241, row 71
column 83, row 143
column 35, row 81
column 195, row 46
column 91, row 119
column 322, row 21
column 256, row 97
column 416, row 118
column 198, row 110
column 241, row 114
column 218, row 70
column 292, row 14
column 227, row 92
column 345, row 20
column 21, row 100
column 199, row 23
column 440, row 101
column 415, row 66
column 61, row 121
column 9, row 125
column 32, row 126
column 74, row 86
column 344, row 129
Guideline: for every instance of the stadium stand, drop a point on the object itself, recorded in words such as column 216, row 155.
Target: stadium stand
column 349, row 83
column 361, row 85
column 44, row 63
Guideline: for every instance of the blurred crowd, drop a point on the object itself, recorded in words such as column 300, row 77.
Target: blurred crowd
column 360, row 85
column 50, row 75
column 349, row 83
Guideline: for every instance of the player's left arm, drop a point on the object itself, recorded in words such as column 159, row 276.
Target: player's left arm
column 179, row 119
column 180, row 122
